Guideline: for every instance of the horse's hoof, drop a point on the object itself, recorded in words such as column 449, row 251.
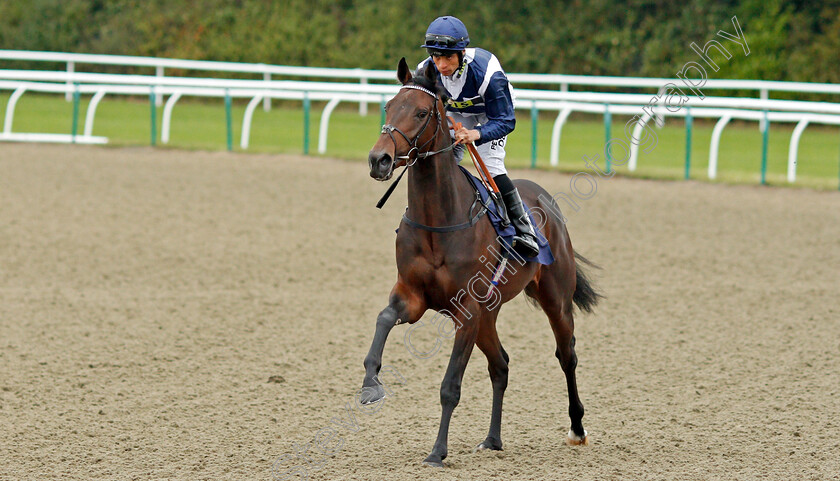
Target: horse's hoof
column 433, row 461
column 573, row 439
column 490, row 444
column 371, row 394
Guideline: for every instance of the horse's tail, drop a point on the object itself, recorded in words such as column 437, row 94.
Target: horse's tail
column 585, row 296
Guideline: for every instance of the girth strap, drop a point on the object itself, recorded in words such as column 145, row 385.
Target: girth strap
column 452, row 228
column 448, row 228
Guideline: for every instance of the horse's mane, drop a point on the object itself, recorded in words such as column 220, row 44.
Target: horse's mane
column 421, row 80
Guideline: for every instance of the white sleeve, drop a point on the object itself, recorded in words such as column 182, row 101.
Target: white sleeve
column 422, row 64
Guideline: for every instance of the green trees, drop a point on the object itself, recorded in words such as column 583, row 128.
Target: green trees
column 790, row 40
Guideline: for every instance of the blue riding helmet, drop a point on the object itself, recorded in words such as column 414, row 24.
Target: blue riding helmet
column 447, row 34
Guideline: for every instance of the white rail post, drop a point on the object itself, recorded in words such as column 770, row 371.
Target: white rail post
column 167, row 116
column 71, row 67
column 91, row 112
column 764, row 94
column 794, row 148
column 267, row 99
column 10, row 109
column 325, row 124
column 556, row 131
column 363, row 106
column 713, row 148
column 634, row 146
column 159, row 75
column 246, row 122
column 660, row 117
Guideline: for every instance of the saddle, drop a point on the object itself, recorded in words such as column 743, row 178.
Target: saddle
column 486, row 204
column 506, row 231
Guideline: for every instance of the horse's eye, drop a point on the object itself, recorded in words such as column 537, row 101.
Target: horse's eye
column 422, row 114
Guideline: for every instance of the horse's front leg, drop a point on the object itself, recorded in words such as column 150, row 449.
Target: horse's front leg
column 450, row 388
column 404, row 306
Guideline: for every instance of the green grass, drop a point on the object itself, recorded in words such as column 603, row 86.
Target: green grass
column 200, row 124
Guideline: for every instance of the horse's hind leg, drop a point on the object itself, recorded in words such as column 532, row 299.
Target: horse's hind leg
column 564, row 335
column 558, row 308
column 497, row 364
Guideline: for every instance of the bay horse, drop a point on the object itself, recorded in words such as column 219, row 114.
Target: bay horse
column 440, row 247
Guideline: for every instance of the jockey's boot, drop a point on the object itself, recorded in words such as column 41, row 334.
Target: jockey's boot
column 525, row 240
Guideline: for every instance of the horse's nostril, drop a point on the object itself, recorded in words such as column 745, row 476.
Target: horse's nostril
column 378, row 158
column 380, row 164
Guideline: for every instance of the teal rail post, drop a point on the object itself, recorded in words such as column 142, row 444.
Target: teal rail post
column 764, row 149
column 306, row 106
column 534, row 117
column 607, row 135
column 76, row 99
column 228, row 120
column 688, row 124
column 382, row 111
column 153, row 115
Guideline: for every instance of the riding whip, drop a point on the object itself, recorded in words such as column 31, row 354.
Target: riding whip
column 484, row 173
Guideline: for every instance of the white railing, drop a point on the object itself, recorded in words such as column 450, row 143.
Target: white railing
column 161, row 64
column 363, row 75
column 564, row 102
column 587, row 102
column 174, row 93
column 521, row 94
column 71, row 60
column 725, row 115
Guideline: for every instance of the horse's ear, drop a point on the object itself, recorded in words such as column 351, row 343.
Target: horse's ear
column 431, row 72
column 403, row 72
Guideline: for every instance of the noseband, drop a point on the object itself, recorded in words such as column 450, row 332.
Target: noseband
column 390, row 129
column 412, row 144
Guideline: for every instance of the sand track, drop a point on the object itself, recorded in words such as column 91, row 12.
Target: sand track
column 146, row 297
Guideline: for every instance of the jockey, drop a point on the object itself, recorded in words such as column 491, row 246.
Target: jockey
column 481, row 99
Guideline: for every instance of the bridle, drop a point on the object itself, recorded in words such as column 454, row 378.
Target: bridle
column 412, row 143
column 390, row 129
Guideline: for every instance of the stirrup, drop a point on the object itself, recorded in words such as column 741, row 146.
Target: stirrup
column 526, row 245
column 525, row 240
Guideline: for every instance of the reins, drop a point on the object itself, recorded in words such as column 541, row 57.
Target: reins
column 390, row 129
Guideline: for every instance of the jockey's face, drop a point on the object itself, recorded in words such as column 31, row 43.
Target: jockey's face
column 446, row 64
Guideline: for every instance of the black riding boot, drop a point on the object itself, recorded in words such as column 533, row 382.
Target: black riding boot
column 525, row 240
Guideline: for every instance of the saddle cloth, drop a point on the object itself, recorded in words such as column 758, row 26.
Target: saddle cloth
column 506, row 234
